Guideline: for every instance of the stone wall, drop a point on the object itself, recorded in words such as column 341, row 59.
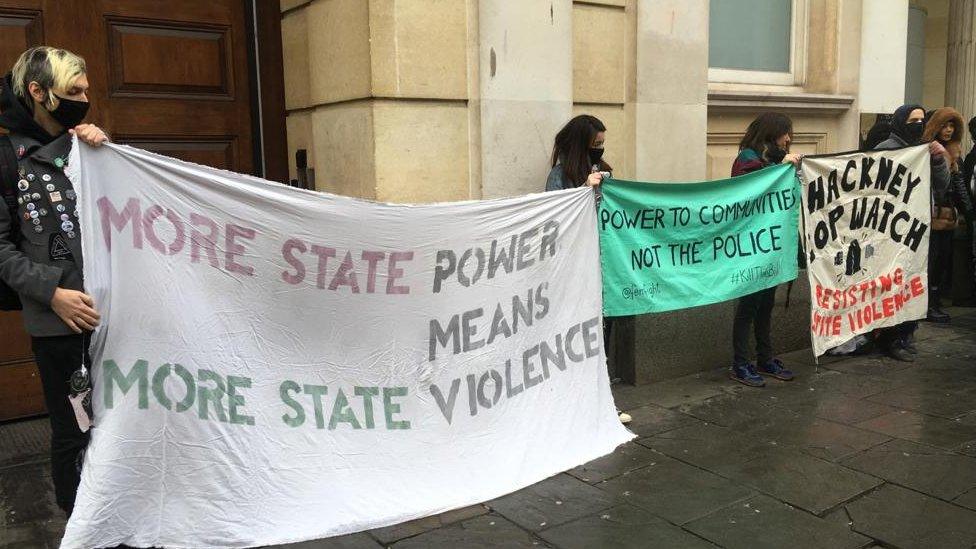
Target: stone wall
column 434, row 100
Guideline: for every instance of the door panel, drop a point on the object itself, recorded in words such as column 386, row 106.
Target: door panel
column 18, row 29
column 202, row 69
column 21, row 26
column 175, row 72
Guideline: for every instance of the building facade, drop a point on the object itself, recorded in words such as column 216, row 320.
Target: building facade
column 431, row 100
column 421, row 100
column 435, row 100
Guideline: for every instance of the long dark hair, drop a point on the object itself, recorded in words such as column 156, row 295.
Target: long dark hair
column 765, row 130
column 572, row 148
column 879, row 132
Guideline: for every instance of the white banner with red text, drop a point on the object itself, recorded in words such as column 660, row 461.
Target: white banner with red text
column 866, row 223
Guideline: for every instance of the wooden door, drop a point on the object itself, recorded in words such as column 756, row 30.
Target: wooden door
column 169, row 76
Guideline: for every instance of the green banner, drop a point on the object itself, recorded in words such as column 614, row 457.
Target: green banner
column 667, row 246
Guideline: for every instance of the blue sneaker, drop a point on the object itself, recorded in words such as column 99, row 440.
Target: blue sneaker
column 774, row 368
column 746, row 374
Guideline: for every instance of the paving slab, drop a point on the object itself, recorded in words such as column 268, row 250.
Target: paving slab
column 675, row 491
column 554, row 501
column 957, row 345
column 411, row 528
column 34, row 535
column 622, row 527
column 485, row 532
column 761, row 522
column 944, row 400
column 898, row 517
column 652, row 419
column 707, row 445
column 27, row 495
column 836, row 408
column 24, row 441
column 730, row 410
column 935, row 431
column 624, row 459
column 933, row 371
column 967, row 448
column 851, row 384
column 934, row 471
column 352, row 541
column 873, row 364
column 967, row 500
column 801, row 480
column 819, row 437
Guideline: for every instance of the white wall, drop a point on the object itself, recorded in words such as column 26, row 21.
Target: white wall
column 884, row 43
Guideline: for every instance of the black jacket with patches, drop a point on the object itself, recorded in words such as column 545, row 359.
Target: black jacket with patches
column 48, row 253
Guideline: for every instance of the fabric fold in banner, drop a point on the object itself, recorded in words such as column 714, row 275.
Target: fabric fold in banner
column 667, row 246
column 277, row 365
column 866, row 233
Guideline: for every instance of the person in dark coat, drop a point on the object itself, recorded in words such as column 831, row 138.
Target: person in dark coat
column 43, row 101
column 577, row 161
column 907, row 127
column 766, row 142
column 945, row 125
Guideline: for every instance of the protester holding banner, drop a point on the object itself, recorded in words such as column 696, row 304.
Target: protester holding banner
column 43, row 98
column 577, row 160
column 907, row 127
column 577, row 155
column 766, row 142
column 945, row 126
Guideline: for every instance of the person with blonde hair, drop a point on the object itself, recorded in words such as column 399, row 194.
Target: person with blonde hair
column 43, row 102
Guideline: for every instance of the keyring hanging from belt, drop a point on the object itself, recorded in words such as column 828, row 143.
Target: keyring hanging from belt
column 80, row 393
column 80, row 380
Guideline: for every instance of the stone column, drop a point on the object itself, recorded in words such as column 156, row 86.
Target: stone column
column 961, row 60
column 526, row 90
column 672, row 89
column 671, row 130
column 961, row 94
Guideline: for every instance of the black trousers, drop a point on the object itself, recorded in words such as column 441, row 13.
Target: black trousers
column 611, row 363
column 57, row 358
column 940, row 266
column 753, row 311
column 896, row 335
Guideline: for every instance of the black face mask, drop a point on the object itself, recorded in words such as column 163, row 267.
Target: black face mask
column 595, row 155
column 775, row 154
column 913, row 132
column 69, row 113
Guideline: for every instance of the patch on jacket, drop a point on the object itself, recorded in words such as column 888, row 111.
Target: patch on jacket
column 58, row 248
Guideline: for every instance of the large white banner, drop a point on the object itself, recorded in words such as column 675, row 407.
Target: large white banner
column 866, row 227
column 277, row 365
